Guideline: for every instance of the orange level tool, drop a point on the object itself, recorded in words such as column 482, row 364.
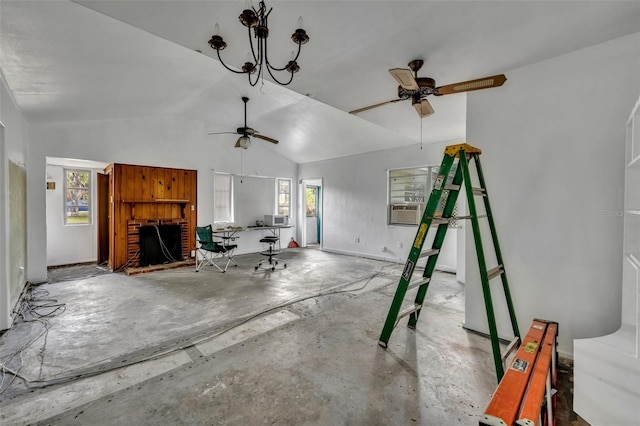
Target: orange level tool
column 526, row 394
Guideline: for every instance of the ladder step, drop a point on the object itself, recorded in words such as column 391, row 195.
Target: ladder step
column 437, row 221
column 492, row 273
column 418, row 283
column 479, row 191
column 408, row 311
column 512, row 346
column 427, row 253
column 405, row 312
column 452, row 187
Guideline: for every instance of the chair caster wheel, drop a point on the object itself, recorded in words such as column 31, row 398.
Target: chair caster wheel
column 256, row 268
column 273, row 268
column 285, row 266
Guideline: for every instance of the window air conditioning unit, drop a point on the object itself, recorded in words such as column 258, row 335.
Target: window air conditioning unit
column 406, row 214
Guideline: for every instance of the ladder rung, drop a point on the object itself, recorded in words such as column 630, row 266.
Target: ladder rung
column 479, row 191
column 408, row 311
column 437, row 221
column 480, row 216
column 418, row 283
column 452, row 187
column 429, row 253
column 492, row 273
column 513, row 345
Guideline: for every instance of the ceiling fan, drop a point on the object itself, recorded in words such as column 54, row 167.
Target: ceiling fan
column 244, row 141
column 418, row 88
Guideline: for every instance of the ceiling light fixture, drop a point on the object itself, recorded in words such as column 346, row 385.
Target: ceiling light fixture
column 244, row 142
column 257, row 19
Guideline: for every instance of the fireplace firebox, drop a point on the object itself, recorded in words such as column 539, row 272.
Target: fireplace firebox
column 160, row 244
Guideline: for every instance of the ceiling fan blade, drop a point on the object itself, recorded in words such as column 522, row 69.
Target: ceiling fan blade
column 405, row 78
column 237, row 145
column 356, row 111
column 266, row 138
column 423, row 108
column 468, row 86
column 223, row 133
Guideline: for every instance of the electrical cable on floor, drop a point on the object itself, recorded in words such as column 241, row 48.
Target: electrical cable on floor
column 30, row 310
column 207, row 335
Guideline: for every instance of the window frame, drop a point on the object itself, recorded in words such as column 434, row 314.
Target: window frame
column 279, row 206
column 88, row 189
column 230, row 213
column 421, row 196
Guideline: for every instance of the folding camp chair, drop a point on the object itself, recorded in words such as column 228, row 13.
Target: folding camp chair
column 208, row 250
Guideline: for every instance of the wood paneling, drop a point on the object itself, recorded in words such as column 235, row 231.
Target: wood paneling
column 142, row 195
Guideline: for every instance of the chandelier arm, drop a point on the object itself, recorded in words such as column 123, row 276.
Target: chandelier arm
column 258, row 67
column 286, row 66
column 278, row 81
column 269, row 67
column 253, row 52
column 225, row 65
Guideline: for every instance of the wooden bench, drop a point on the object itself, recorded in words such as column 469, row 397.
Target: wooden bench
column 526, row 394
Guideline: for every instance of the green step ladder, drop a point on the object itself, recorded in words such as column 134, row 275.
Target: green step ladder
column 438, row 212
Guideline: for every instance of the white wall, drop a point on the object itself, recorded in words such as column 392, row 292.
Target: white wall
column 176, row 142
column 355, row 199
column 13, row 237
column 553, row 142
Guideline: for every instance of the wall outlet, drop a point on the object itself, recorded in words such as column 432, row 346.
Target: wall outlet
column 399, row 245
column 193, row 253
column 356, row 239
column 384, row 248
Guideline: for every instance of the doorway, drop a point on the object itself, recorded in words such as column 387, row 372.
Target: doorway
column 72, row 210
column 312, row 212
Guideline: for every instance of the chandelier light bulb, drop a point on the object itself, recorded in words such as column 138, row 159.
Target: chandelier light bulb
column 216, row 29
column 300, row 22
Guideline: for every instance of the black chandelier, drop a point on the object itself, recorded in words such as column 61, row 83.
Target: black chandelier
column 257, row 19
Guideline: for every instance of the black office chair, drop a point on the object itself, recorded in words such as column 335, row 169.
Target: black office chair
column 209, row 249
column 270, row 253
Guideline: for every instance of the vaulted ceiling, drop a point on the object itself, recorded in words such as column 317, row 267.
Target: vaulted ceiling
column 95, row 60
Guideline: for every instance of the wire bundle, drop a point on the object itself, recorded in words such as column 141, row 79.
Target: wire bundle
column 36, row 307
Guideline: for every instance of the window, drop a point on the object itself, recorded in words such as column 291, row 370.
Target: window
column 77, row 190
column 284, row 196
column 222, row 198
column 409, row 191
column 311, row 197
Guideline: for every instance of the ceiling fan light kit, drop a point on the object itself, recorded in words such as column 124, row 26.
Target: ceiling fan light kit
column 257, row 19
column 418, row 88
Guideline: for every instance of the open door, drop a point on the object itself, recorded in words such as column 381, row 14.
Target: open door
column 103, row 217
column 312, row 212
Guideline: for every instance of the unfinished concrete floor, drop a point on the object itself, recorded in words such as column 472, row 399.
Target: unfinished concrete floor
column 294, row 346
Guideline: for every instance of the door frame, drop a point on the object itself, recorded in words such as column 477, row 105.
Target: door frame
column 303, row 212
column 102, row 217
column 5, row 303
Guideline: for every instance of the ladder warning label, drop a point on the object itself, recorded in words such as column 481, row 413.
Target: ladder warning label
column 422, row 231
column 439, row 181
column 520, row 365
column 408, row 270
column 530, row 347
